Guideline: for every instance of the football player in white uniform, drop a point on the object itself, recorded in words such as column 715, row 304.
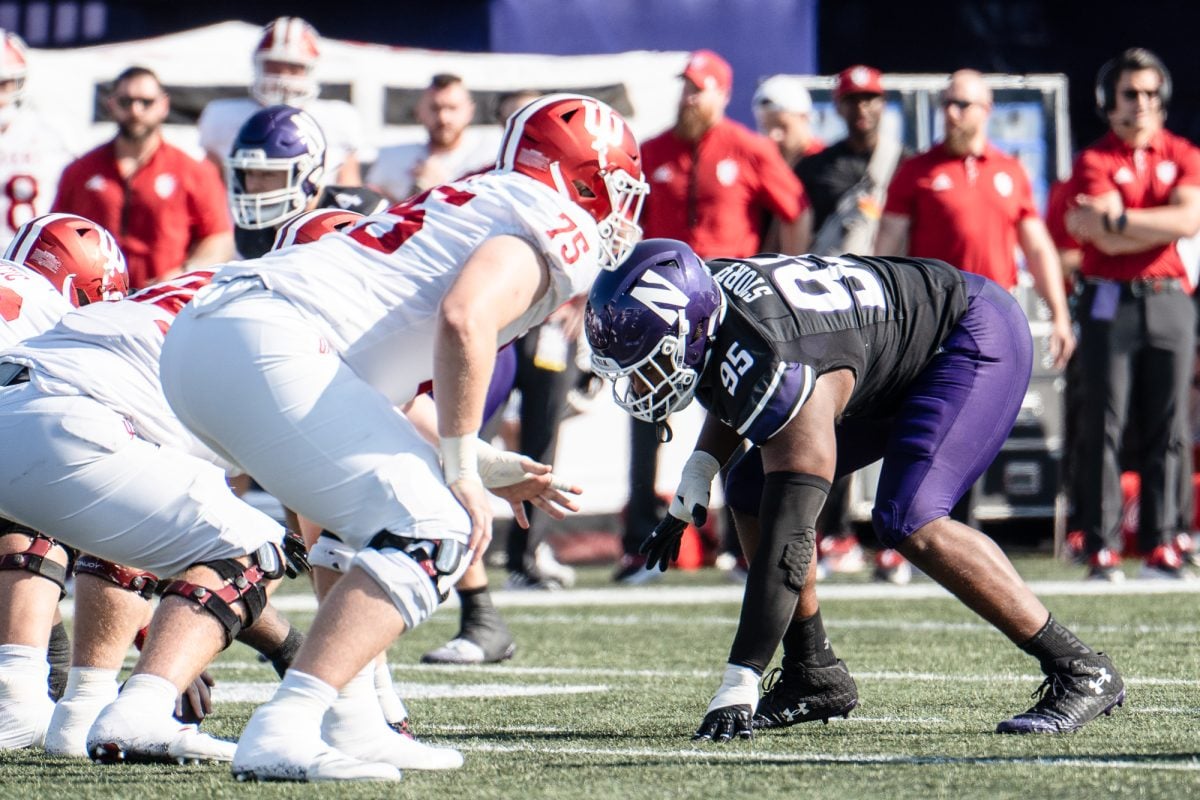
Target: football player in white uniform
column 285, row 60
column 91, row 431
column 292, row 365
column 55, row 263
column 32, row 153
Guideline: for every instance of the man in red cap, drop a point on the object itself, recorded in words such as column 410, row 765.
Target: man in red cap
column 714, row 184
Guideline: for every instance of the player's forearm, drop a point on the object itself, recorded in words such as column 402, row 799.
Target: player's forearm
column 464, row 356
column 718, row 439
column 214, row 249
column 780, row 567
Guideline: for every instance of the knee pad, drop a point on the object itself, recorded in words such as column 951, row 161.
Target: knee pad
column 247, row 584
column 34, row 558
column 331, row 553
column 744, row 483
column 417, row 574
column 133, row 580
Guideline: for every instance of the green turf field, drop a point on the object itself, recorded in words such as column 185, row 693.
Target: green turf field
column 607, row 686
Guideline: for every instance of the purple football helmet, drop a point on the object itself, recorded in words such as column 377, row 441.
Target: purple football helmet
column 650, row 323
column 274, row 168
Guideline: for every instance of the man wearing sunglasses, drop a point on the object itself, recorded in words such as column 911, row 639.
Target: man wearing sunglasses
column 966, row 202
column 1138, row 191
column 166, row 209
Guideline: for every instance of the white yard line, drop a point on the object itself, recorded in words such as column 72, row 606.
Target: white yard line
column 656, row 596
column 609, row 673
column 737, row 752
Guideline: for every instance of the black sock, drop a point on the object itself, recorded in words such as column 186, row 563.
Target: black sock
column 805, row 642
column 478, row 615
column 282, row 657
column 474, row 600
column 59, row 656
column 1052, row 642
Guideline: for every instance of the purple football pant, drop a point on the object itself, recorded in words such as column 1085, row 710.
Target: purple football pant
column 503, row 376
column 947, row 430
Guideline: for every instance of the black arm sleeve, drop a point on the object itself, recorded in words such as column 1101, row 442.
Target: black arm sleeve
column 788, row 513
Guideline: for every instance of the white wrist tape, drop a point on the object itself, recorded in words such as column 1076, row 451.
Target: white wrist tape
column 739, row 687
column 498, row 468
column 695, row 485
column 460, row 460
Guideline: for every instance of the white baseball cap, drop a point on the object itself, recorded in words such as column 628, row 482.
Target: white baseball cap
column 782, row 93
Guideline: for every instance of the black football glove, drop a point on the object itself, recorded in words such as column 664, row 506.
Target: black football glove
column 722, row 724
column 295, row 555
column 195, row 703
column 661, row 547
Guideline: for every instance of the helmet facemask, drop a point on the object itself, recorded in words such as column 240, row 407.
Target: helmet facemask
column 272, row 89
column 619, row 231
column 265, row 209
column 657, row 386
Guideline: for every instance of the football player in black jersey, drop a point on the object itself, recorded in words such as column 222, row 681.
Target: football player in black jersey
column 826, row 365
column 276, row 170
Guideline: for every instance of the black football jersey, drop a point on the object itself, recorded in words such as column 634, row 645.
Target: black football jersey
column 352, row 198
column 791, row 319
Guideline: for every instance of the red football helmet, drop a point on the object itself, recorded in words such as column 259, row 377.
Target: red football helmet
column 312, row 225
column 78, row 256
column 584, row 150
column 12, row 68
column 289, row 40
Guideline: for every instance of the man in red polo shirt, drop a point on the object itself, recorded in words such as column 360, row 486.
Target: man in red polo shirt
column 714, row 184
column 1138, row 192
column 712, row 178
column 969, row 204
column 167, row 210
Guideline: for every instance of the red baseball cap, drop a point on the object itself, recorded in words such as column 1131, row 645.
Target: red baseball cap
column 705, row 68
column 859, row 79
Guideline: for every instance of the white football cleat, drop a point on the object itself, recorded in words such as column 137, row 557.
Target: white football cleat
column 356, row 726
column 73, row 718
column 24, row 716
column 276, row 747
column 122, row 734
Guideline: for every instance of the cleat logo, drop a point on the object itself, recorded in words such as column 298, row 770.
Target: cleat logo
column 794, row 715
column 1097, row 684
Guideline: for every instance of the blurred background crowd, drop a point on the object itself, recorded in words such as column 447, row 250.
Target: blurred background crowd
column 782, row 125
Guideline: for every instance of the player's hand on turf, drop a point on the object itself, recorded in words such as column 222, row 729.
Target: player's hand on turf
column 661, row 547
column 473, row 497
column 195, row 703
column 722, row 724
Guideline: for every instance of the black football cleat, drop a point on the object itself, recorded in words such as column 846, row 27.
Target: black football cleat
column 795, row 693
column 1076, row 692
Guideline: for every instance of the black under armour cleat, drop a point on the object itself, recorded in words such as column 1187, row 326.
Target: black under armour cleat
column 1076, row 692
column 795, row 693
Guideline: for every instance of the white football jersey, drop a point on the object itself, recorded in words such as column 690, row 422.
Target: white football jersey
column 221, row 120
column 110, row 351
column 392, row 172
column 29, row 304
column 32, row 157
column 373, row 291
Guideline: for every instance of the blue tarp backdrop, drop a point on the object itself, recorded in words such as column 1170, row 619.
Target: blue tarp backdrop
column 758, row 37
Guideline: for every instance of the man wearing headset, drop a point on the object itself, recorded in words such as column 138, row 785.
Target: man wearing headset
column 1138, row 191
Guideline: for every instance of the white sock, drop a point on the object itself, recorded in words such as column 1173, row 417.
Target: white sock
column 305, row 694
column 149, row 693
column 385, row 690
column 23, row 668
column 90, row 682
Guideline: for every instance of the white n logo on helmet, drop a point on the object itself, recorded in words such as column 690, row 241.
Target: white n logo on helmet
column 607, row 129
column 309, row 132
column 660, row 296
